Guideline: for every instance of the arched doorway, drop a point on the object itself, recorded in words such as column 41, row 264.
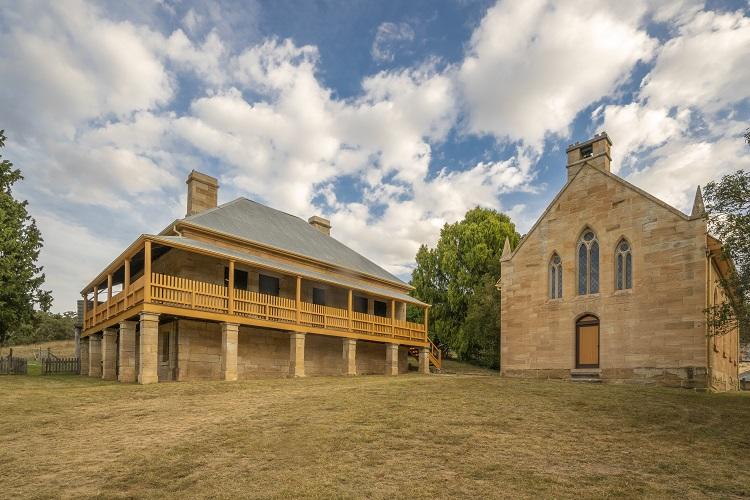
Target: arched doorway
column 587, row 342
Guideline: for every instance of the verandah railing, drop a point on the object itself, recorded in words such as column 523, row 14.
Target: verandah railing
column 198, row 295
column 119, row 302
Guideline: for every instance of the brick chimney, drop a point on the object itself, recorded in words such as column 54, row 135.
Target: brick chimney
column 203, row 193
column 321, row 224
column 595, row 152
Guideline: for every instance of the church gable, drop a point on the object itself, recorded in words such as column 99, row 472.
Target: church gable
column 594, row 195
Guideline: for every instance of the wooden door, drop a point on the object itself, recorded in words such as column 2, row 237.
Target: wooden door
column 587, row 342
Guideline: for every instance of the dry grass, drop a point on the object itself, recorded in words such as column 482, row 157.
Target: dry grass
column 369, row 437
column 60, row 348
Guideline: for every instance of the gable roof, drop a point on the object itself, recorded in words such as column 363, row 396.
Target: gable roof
column 279, row 230
column 612, row 176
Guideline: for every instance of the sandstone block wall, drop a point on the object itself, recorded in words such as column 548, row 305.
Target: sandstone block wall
column 724, row 350
column 265, row 353
column 198, row 350
column 262, row 353
column 658, row 324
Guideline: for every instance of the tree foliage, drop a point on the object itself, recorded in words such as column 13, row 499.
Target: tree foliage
column 21, row 278
column 458, row 278
column 728, row 213
column 44, row 327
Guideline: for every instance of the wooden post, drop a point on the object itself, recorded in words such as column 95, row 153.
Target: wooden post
column 85, row 309
column 147, row 271
column 298, row 299
column 109, row 292
column 230, row 291
column 96, row 302
column 393, row 317
column 349, row 309
column 126, row 284
column 426, row 324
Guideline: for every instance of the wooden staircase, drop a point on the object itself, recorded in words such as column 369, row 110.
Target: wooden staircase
column 435, row 354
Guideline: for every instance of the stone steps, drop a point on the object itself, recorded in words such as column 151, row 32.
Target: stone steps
column 585, row 376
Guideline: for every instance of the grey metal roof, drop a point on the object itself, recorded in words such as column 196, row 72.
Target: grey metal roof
column 289, row 268
column 252, row 221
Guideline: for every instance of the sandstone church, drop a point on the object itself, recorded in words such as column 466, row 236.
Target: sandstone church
column 612, row 284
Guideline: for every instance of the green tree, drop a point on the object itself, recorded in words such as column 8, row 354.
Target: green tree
column 21, row 278
column 458, row 276
column 44, row 327
column 728, row 213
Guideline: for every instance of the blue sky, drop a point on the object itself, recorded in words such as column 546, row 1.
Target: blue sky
column 389, row 118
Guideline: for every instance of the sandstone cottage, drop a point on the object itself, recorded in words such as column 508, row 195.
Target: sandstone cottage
column 612, row 283
column 242, row 290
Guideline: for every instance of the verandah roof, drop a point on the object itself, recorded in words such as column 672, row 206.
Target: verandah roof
column 179, row 241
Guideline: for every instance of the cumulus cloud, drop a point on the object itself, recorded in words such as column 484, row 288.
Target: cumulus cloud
column 389, row 38
column 532, row 66
column 102, row 120
column 679, row 132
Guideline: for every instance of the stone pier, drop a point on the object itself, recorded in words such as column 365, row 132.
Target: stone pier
column 109, row 354
column 126, row 370
column 349, row 357
column 148, row 349
column 229, row 339
column 391, row 359
column 95, row 355
column 297, row 355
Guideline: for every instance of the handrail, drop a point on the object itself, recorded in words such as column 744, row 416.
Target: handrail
column 199, row 295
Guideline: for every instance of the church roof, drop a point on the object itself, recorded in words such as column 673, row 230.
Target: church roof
column 614, row 177
column 279, row 230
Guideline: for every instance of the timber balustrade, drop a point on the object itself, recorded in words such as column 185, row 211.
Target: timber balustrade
column 202, row 296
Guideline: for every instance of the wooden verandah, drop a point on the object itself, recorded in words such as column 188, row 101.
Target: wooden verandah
column 189, row 298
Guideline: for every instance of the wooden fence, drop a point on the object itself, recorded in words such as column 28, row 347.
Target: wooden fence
column 13, row 366
column 55, row 366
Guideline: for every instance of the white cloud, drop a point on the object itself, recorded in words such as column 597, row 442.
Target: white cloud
column 636, row 128
column 676, row 168
column 707, row 66
column 679, row 132
column 72, row 256
column 532, row 66
column 91, row 101
column 70, row 65
column 389, row 37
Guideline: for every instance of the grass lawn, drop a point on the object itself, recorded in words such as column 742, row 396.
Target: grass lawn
column 374, row 437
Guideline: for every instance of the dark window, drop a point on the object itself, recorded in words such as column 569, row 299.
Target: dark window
column 240, row 279
column 268, row 285
column 624, row 266
column 319, row 296
column 380, row 309
column 587, row 151
column 165, row 347
column 359, row 304
column 588, row 264
column 555, row 277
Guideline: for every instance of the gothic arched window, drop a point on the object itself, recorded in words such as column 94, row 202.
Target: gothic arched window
column 623, row 266
column 555, row 277
column 588, row 263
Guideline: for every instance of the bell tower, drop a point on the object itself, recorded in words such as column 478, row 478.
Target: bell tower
column 595, row 152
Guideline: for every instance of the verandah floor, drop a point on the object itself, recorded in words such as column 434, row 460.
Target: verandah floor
column 371, row 436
